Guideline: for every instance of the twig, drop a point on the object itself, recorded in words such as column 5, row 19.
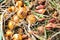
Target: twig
column 33, row 38
column 55, row 34
column 41, row 38
column 45, row 33
column 27, row 32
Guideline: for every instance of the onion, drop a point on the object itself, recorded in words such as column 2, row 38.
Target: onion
column 40, row 29
column 15, row 18
column 52, row 20
column 31, row 18
column 41, row 11
column 40, row 7
column 11, row 9
column 17, row 37
column 50, row 26
column 11, row 25
column 19, row 4
column 9, row 33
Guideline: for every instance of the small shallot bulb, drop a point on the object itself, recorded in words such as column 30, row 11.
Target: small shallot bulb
column 55, row 15
column 25, row 9
column 10, row 25
column 40, row 29
column 52, row 20
column 9, row 33
column 15, row 18
column 31, row 19
column 11, row 9
column 49, row 26
column 17, row 37
column 19, row 13
column 40, row 7
column 41, row 11
column 22, row 13
column 19, row 4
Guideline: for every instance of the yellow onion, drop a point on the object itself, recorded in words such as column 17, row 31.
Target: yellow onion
column 31, row 19
column 9, row 33
column 15, row 18
column 17, row 37
column 22, row 13
column 11, row 25
column 12, row 9
column 19, row 4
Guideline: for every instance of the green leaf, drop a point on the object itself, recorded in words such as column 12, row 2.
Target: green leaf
column 53, row 3
column 1, row 1
column 39, row 15
column 27, row 3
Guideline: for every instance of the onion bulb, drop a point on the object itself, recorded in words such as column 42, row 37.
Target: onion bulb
column 11, row 25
